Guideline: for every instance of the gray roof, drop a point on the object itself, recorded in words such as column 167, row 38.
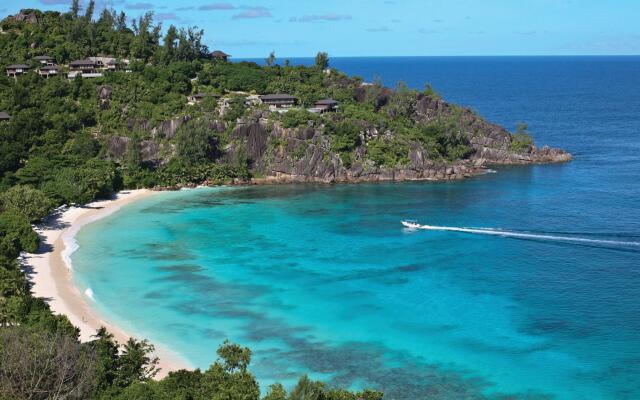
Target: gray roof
column 279, row 96
column 50, row 68
column 327, row 102
column 42, row 58
column 81, row 62
column 203, row 95
column 4, row 115
column 18, row 66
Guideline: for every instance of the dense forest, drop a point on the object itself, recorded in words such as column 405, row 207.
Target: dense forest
column 70, row 141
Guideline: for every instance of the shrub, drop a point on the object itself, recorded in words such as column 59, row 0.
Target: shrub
column 27, row 201
column 389, row 153
column 520, row 142
column 297, row 117
column 39, row 365
column 15, row 230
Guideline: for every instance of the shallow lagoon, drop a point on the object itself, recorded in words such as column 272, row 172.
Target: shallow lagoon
column 324, row 280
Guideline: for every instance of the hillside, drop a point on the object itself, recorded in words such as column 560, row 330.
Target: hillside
column 132, row 116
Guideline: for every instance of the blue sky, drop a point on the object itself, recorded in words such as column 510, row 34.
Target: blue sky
column 253, row 28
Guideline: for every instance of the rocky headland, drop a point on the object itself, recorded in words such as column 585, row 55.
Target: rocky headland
column 303, row 154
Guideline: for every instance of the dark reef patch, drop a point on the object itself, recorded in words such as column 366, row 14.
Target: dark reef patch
column 156, row 294
column 180, row 268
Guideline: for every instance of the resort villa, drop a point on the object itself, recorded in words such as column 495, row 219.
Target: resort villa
column 4, row 116
column 15, row 70
column 48, row 70
column 44, row 60
column 323, row 106
column 117, row 65
column 92, row 67
column 220, row 55
column 198, row 97
column 85, row 68
column 279, row 101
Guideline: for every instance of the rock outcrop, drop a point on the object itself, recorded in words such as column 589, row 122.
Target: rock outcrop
column 491, row 142
column 28, row 17
column 150, row 151
column 104, row 96
column 304, row 155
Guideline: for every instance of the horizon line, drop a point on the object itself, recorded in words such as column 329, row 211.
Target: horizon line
column 450, row 56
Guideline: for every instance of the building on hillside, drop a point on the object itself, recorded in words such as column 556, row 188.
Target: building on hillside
column 44, row 60
column 84, row 68
column 4, row 116
column 325, row 105
column 108, row 62
column 15, row 70
column 220, row 55
column 198, row 97
column 117, row 65
column 49, row 70
column 279, row 101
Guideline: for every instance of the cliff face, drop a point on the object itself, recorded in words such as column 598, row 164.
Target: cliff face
column 491, row 142
column 304, row 154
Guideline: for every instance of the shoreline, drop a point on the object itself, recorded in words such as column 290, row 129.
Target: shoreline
column 50, row 272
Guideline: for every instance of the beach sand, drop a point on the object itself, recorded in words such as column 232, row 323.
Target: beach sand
column 51, row 276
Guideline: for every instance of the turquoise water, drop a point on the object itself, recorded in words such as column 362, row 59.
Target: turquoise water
column 324, row 280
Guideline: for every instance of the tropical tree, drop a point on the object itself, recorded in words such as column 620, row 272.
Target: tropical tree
column 31, row 203
column 136, row 364
column 322, row 60
column 228, row 378
column 269, row 61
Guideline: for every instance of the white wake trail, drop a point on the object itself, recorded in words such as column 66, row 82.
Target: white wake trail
column 521, row 235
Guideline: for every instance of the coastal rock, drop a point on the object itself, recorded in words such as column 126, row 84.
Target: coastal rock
column 167, row 129
column 304, row 155
column 25, row 16
column 117, row 147
column 491, row 142
column 104, row 96
column 163, row 130
column 150, row 151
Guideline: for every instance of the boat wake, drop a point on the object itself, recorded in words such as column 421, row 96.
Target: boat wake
column 412, row 226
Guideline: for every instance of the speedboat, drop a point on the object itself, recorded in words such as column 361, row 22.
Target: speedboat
column 411, row 224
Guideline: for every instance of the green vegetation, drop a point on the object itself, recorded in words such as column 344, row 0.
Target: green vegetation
column 521, row 141
column 298, row 118
column 322, row 60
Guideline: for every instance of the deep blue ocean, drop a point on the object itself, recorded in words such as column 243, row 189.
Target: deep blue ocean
column 322, row 279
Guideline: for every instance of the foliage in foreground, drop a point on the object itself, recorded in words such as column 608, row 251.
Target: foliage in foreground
column 51, row 364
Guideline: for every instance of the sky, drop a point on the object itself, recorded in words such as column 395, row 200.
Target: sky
column 301, row 28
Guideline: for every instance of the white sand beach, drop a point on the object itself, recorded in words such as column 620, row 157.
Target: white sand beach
column 51, row 275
